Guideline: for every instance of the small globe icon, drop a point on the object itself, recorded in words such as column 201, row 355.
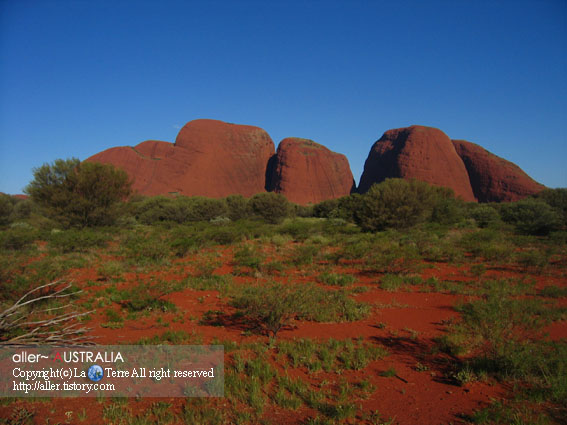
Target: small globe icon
column 95, row 373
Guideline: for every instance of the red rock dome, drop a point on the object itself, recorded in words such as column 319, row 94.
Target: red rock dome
column 417, row 152
column 307, row 172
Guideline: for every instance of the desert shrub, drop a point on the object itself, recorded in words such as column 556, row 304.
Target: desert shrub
column 299, row 229
column 6, row 207
column 304, row 254
column 152, row 210
column 22, row 209
column 553, row 291
column 237, row 207
column 274, row 305
column 80, row 193
column 557, row 199
column 488, row 244
column 485, row 216
column 271, row 207
column 179, row 210
column 532, row 217
column 394, row 257
column 394, row 282
column 336, row 279
column 345, row 208
column 326, row 209
column 144, row 249
column 19, row 236
column 497, row 326
column 183, row 245
column 448, row 211
column 204, row 209
column 75, row 240
column 398, row 203
column 248, row 256
column 538, row 258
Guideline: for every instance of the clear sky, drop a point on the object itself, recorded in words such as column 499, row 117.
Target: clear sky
column 78, row 77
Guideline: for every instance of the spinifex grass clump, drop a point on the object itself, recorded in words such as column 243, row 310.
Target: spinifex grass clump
column 273, row 305
column 146, row 248
column 247, row 258
column 505, row 336
column 336, row 279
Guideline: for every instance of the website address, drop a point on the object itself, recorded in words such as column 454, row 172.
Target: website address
column 65, row 386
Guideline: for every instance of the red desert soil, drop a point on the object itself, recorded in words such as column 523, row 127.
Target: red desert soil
column 416, row 152
column 307, row 172
column 406, row 323
column 494, row 179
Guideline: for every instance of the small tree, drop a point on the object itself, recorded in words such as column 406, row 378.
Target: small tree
column 79, row 194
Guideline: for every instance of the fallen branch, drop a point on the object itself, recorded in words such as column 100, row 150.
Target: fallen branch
column 40, row 332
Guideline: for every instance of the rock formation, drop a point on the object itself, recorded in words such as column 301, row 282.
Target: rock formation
column 494, row 179
column 307, row 172
column 209, row 158
column 216, row 159
column 417, row 152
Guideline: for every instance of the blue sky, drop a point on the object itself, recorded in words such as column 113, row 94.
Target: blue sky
column 78, row 77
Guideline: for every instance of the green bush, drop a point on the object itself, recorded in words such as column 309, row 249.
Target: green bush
column 6, row 207
column 153, row 210
column 556, row 199
column 485, row 216
column 398, row 203
column 532, row 217
column 271, row 207
column 179, row 210
column 18, row 237
column 80, row 193
column 336, row 279
column 237, row 207
column 74, row 240
column 448, row 211
column 144, row 249
column 274, row 305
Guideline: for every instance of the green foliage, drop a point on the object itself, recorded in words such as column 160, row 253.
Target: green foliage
column 146, row 248
column 237, row 207
column 248, row 256
column 18, row 237
column 532, row 217
column 79, row 194
column 556, row 199
column 398, row 203
column 74, row 240
column 271, row 207
column 6, row 207
column 448, row 210
column 178, row 210
column 485, row 216
column 346, row 208
column 274, row 305
column 336, row 279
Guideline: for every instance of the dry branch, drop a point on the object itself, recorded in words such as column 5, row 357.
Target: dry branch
column 58, row 329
